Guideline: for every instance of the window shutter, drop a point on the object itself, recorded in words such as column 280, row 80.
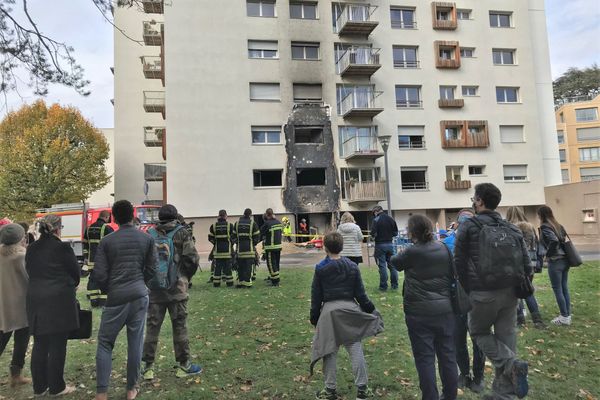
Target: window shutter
column 262, row 45
column 586, row 134
column 264, row 91
column 511, row 134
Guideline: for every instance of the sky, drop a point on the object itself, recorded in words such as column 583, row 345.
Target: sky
column 573, row 30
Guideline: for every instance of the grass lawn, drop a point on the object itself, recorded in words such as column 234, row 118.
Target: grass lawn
column 255, row 344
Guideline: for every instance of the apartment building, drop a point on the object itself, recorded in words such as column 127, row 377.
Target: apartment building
column 284, row 104
column 578, row 132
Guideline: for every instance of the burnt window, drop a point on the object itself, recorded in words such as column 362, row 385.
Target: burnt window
column 308, row 134
column 267, row 178
column 310, row 177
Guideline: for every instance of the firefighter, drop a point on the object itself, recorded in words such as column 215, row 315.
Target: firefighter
column 247, row 236
column 271, row 234
column 303, row 230
column 287, row 229
column 93, row 236
column 222, row 236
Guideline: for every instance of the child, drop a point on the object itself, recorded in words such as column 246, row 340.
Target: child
column 343, row 315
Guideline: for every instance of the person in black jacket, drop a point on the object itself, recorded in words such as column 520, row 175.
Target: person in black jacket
column 247, row 236
column 125, row 262
column 271, row 233
column 52, row 309
column 428, row 308
column 383, row 231
column 222, row 235
column 91, row 240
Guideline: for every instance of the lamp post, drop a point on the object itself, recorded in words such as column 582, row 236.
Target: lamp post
column 384, row 140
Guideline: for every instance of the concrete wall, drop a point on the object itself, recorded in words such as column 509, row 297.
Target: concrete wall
column 568, row 203
column 105, row 195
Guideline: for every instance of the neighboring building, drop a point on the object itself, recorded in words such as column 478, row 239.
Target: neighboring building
column 105, row 195
column 280, row 104
column 576, row 205
column 578, row 132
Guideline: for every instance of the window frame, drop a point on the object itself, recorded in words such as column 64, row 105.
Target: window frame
column 265, row 100
column 404, row 63
column 401, row 24
column 475, row 87
column 444, row 90
column 465, row 49
column 562, row 155
column 460, row 11
column 518, row 180
column 261, row 4
column 577, row 119
column 409, row 103
column 513, row 53
column 264, row 170
column 425, row 186
column 505, row 88
column 266, row 129
column 497, row 15
column 263, row 50
column 482, row 166
column 302, row 4
column 304, row 46
column 590, row 157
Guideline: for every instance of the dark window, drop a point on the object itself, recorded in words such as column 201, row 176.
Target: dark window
column 266, row 178
column 414, row 179
column 476, row 169
column 310, row 177
column 308, row 134
column 411, row 142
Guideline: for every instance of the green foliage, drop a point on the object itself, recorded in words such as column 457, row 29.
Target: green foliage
column 577, row 82
column 48, row 155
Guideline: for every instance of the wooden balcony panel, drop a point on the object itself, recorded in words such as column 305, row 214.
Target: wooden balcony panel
column 451, row 103
column 457, row 185
column 365, row 192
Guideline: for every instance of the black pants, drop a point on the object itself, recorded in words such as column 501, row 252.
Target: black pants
column 94, row 294
column 48, row 362
column 222, row 272
column 245, row 271
column 273, row 258
column 20, row 343
column 431, row 337
column 462, row 351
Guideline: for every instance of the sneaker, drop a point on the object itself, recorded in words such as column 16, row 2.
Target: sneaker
column 67, row 390
column 364, row 393
column 519, row 378
column 192, row 369
column 326, row 394
column 567, row 320
column 560, row 320
column 148, row 374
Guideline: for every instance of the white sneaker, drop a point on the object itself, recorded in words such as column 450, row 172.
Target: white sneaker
column 567, row 320
column 560, row 320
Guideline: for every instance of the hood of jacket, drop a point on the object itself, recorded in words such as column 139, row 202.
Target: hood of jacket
column 347, row 227
column 167, row 226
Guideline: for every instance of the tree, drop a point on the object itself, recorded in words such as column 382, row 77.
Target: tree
column 48, row 155
column 577, row 82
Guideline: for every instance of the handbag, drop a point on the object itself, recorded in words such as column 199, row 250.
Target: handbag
column 85, row 325
column 573, row 257
column 525, row 288
column 461, row 304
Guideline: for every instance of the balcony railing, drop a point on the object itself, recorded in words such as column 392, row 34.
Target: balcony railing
column 153, row 136
column 404, row 25
column 355, row 19
column 406, row 64
column 358, row 61
column 154, row 102
column 451, row 103
column 152, row 67
column 450, row 63
column 152, row 33
column 457, row 185
column 365, row 192
column 360, row 103
column 444, row 24
column 155, row 172
column 467, row 138
column 153, row 6
column 361, row 147
column 409, row 103
column 417, row 144
column 415, row 185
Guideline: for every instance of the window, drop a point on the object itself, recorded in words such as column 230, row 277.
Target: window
column 447, row 53
column 561, row 136
column 266, row 135
column 476, row 170
column 405, row 57
column 511, row 134
column 411, row 137
column 503, row 56
column 452, row 132
column 562, row 154
column 357, row 139
column 514, row 173
column 589, row 154
column 447, row 92
column 589, row 174
column 305, row 51
column 308, row 134
column 467, row 52
column 307, row 93
column 264, row 92
column 586, row 114
column 588, row 134
column 414, row 178
column 500, row 19
column 403, row 18
column 260, row 8
column 349, row 175
column 303, row 10
column 262, row 49
column 356, row 96
column 565, row 175
column 310, row 177
column 454, row 173
column 463, row 14
column 443, row 14
column 267, row 178
column 408, row 97
column 507, row 94
column 470, row 90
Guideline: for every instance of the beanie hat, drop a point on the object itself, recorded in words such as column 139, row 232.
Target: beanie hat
column 11, row 234
column 4, row 221
column 168, row 212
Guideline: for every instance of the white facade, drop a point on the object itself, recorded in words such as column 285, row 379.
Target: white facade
column 105, row 195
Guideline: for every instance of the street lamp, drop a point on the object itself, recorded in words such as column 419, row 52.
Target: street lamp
column 384, row 140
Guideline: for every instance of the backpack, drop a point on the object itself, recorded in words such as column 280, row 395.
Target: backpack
column 166, row 273
column 500, row 254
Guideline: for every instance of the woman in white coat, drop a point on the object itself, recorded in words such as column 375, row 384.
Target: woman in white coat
column 353, row 238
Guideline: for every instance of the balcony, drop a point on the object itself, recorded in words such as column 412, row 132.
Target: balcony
column 361, row 148
column 360, row 103
column 153, row 6
column 447, row 54
column 365, row 192
column 408, row 186
column 469, row 134
column 443, row 16
column 154, row 102
column 355, row 19
column 155, row 172
column 457, row 185
column 401, row 103
column 152, row 33
column 358, row 61
column 152, row 66
column 153, row 136
column 451, row 103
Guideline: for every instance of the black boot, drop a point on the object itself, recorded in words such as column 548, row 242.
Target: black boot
column 538, row 322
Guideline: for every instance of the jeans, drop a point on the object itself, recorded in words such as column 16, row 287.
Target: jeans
column 383, row 253
column 48, row 362
column 20, row 343
column 462, row 351
column 132, row 315
column 558, row 271
column 431, row 337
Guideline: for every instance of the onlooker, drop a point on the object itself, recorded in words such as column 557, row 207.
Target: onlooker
column 185, row 259
column 13, row 295
column 52, row 309
column 474, row 382
column 28, row 235
column 125, row 262
column 491, row 258
column 516, row 216
column 383, row 231
column 342, row 314
column 428, row 308
column 353, row 238
column 552, row 236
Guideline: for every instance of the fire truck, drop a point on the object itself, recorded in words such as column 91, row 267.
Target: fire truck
column 76, row 217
